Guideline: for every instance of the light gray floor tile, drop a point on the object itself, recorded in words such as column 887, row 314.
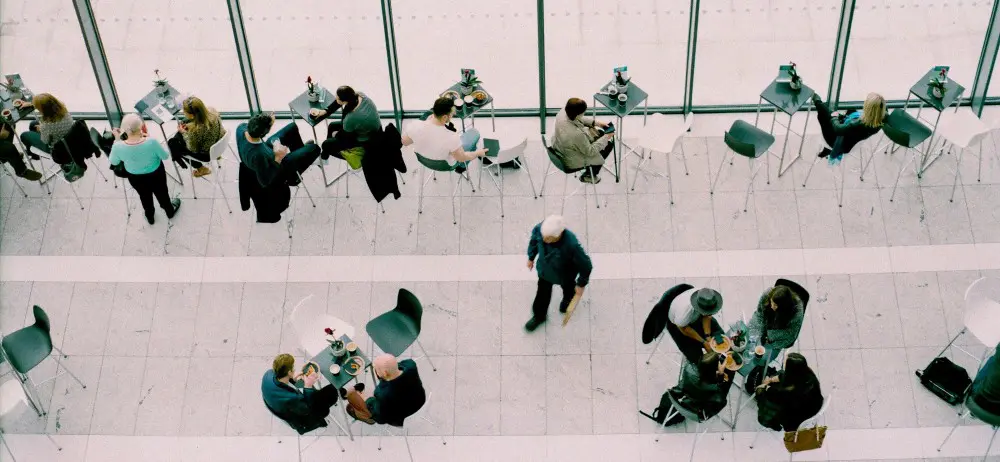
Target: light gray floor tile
column 440, row 407
column 516, row 303
column 206, row 398
column 920, row 309
column 481, row 226
column 440, row 321
column 72, row 406
column 246, row 416
column 521, row 214
column 89, row 315
column 23, row 418
column 574, row 337
column 608, row 227
column 189, row 237
column 271, row 239
column 62, row 229
column 905, row 217
column 173, row 321
column 848, row 389
column 24, row 226
column 143, row 239
column 952, row 286
column 650, row 229
column 948, row 222
column 477, row 395
column 614, row 388
column 396, row 230
column 313, row 299
column 890, row 388
column 569, row 395
column 652, row 380
column 734, row 228
column 118, row 396
column 479, row 318
column 831, row 308
column 437, row 234
column 54, row 298
column 879, row 324
column 862, row 218
column 984, row 211
column 217, row 320
column 161, row 396
column 354, row 230
column 261, row 312
column 314, row 227
column 610, row 313
column 14, row 296
column 777, row 222
column 229, row 234
column 522, row 410
column 819, row 218
column 693, row 221
column 131, row 319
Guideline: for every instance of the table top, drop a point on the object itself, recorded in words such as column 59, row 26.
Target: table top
column 781, row 96
column 9, row 79
column 153, row 98
column 301, row 105
column 953, row 90
column 635, row 97
column 467, row 110
column 7, row 100
column 325, row 358
column 750, row 360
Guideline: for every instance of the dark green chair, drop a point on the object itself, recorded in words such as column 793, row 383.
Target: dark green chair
column 907, row 132
column 748, row 141
column 556, row 160
column 442, row 166
column 975, row 410
column 26, row 348
column 396, row 330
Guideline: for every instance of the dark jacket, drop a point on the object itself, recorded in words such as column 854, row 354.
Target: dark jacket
column 383, row 157
column 288, row 404
column 707, row 397
column 782, row 407
column 562, row 262
column 270, row 201
column 986, row 386
column 397, row 399
column 844, row 134
column 76, row 147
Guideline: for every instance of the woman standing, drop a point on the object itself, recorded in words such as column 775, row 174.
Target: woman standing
column 200, row 131
column 786, row 400
column 143, row 158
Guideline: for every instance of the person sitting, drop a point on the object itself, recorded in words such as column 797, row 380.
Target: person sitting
column 274, row 164
column 304, row 409
column 143, row 158
column 10, row 155
column 842, row 132
column 578, row 140
column 691, row 323
column 433, row 139
column 703, row 388
column 787, row 399
column 359, row 122
column 200, row 129
column 986, row 386
column 398, row 395
column 778, row 319
column 53, row 125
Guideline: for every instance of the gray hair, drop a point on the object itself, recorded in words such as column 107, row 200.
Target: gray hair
column 553, row 226
column 131, row 123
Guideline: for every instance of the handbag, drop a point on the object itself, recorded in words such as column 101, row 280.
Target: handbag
column 805, row 440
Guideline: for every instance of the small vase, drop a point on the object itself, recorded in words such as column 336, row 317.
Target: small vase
column 937, row 92
column 314, row 97
column 795, row 85
column 622, row 88
column 467, row 90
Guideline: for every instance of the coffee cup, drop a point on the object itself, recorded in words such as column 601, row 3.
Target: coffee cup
column 759, row 350
column 334, row 369
column 351, row 347
column 622, row 98
column 612, row 91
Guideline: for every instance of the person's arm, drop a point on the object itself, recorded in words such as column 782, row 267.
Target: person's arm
column 583, row 264
column 115, row 158
column 755, row 328
column 461, row 155
column 691, row 333
column 823, row 111
column 157, row 149
column 785, row 337
column 534, row 241
column 587, row 121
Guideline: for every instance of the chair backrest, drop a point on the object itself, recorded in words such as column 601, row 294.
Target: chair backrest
column 797, row 289
column 740, row 147
column 507, row 155
column 896, row 135
column 684, row 411
column 41, row 319
column 554, row 156
column 76, row 146
column 812, row 421
column 408, row 305
column 433, row 164
column 982, row 414
column 219, row 148
column 982, row 310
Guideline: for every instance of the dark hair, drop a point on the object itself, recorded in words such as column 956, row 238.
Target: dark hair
column 708, row 367
column 575, row 107
column 443, row 106
column 259, row 124
column 787, row 303
column 348, row 96
column 194, row 106
column 797, row 376
column 283, row 365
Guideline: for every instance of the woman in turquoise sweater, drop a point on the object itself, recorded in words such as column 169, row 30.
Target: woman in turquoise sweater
column 143, row 158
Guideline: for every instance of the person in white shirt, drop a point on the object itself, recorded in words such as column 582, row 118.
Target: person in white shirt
column 435, row 139
column 692, row 313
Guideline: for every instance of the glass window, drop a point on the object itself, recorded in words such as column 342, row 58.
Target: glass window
column 435, row 40
column 339, row 43
column 42, row 42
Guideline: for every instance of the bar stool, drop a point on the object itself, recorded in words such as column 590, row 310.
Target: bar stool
column 660, row 135
column 906, row 131
column 748, row 141
column 963, row 130
column 216, row 151
column 442, row 166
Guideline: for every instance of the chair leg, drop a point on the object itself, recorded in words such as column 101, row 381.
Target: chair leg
column 13, row 178
column 638, row 165
column 458, row 186
column 302, row 184
column 711, row 190
column 3, row 443
column 501, row 191
column 194, row 188
column 420, row 194
column 958, row 173
column 953, row 431
column 71, row 374
column 670, row 179
column 434, row 368
column 697, row 434
column 593, row 187
column 524, row 164
column 990, row 446
column 73, row 190
column 98, row 170
column 684, row 159
column 809, row 173
column 406, row 439
column 545, row 177
column 900, row 175
column 222, row 189
column 657, row 345
column 755, row 436
column 753, row 175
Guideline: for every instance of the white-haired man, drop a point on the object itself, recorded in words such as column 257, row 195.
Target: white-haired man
column 561, row 261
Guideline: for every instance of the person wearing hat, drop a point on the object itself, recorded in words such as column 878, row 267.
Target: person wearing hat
column 692, row 314
column 562, row 261
column 398, row 395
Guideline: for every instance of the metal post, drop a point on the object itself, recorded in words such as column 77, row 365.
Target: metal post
column 243, row 55
column 692, row 46
column 840, row 53
column 99, row 61
column 541, row 63
column 987, row 59
column 389, row 30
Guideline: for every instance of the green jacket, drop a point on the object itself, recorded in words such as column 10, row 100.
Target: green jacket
column 563, row 262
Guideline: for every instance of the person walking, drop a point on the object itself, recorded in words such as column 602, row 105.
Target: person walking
column 561, row 261
column 143, row 158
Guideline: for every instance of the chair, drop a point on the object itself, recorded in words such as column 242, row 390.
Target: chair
column 556, row 160
column 806, row 424
column 217, row 151
column 396, row 330
column 26, row 348
column 386, row 432
column 75, row 148
column 435, row 165
column 905, row 131
column 982, row 317
column 975, row 410
column 860, row 154
column 660, row 135
column 750, row 142
column 676, row 403
column 657, row 320
column 963, row 130
column 11, row 398
column 504, row 156
column 290, row 218
column 301, row 432
column 309, row 325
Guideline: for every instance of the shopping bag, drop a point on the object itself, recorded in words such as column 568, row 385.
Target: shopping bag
column 805, row 440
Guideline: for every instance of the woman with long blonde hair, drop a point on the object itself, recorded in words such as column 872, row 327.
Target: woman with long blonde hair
column 200, row 129
column 53, row 125
column 842, row 132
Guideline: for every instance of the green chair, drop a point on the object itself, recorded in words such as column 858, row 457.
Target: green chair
column 556, row 160
column 907, row 132
column 396, row 330
column 26, row 348
column 974, row 409
column 750, row 142
column 442, row 166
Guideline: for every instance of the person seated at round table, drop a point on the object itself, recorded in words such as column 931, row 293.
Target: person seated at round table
column 704, row 386
column 196, row 133
column 579, row 141
column 398, row 395
column 778, row 319
column 433, row 139
column 359, row 122
column 841, row 132
column 787, row 399
column 691, row 322
column 10, row 155
column 304, row 409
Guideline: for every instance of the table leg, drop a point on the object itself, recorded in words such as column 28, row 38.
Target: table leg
column 619, row 153
column 493, row 116
column 757, row 117
column 782, row 166
column 463, row 124
column 927, row 149
column 645, row 111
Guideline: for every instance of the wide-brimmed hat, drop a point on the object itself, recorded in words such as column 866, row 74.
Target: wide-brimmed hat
column 706, row 302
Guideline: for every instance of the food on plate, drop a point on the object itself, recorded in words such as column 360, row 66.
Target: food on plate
column 480, row 96
column 452, row 94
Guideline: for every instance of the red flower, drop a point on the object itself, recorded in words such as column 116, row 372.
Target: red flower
column 309, row 79
column 328, row 331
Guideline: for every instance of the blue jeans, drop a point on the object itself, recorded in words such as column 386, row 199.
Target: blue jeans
column 469, row 141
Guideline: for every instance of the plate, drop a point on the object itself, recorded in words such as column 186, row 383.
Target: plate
column 731, row 363
column 720, row 345
column 452, row 93
column 479, row 97
column 310, row 368
column 355, row 366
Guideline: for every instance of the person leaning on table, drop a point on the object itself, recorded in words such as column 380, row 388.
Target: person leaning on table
column 143, row 158
column 787, row 399
column 304, row 409
column 561, row 261
column 578, row 140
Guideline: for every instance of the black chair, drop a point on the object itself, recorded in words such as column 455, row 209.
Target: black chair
column 800, row 291
column 396, row 330
column 26, row 348
column 657, row 320
column 71, row 154
column 556, row 160
column 906, row 131
column 748, row 141
column 303, row 430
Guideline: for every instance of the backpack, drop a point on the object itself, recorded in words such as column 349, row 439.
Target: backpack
column 663, row 410
column 945, row 379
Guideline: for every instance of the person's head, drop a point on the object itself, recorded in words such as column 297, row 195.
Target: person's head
column 195, row 110
column 706, row 301
column 347, row 98
column 386, row 367
column 260, row 124
column 443, row 108
column 552, row 228
column 797, row 374
column 50, row 108
column 283, row 366
column 132, row 125
column 575, row 107
column 710, row 367
column 873, row 112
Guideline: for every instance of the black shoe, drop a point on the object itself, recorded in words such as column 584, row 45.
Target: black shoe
column 177, row 206
column 562, row 308
column 150, row 220
column 533, row 324
column 824, row 153
column 360, row 387
column 343, row 393
column 30, row 175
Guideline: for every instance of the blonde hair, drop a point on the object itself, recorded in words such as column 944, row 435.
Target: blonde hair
column 194, row 107
column 131, row 123
column 283, row 365
column 49, row 107
column 873, row 112
column 553, row 226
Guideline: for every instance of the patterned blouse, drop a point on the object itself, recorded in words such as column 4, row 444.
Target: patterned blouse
column 200, row 138
column 53, row 132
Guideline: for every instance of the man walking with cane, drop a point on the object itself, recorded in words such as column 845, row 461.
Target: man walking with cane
column 561, row 261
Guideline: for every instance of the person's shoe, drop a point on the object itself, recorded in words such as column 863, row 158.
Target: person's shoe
column 150, row 219
column 824, row 153
column 72, row 176
column 343, row 393
column 201, row 171
column 177, row 206
column 30, row 175
column 360, row 387
column 533, row 324
column 590, row 179
column 562, row 309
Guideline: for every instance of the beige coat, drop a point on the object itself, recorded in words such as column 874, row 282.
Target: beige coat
column 578, row 142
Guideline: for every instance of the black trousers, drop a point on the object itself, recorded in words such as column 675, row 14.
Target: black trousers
column 540, row 308
column 301, row 155
column 151, row 185
column 178, row 151
column 9, row 154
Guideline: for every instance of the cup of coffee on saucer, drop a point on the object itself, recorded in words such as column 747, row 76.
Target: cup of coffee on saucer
column 622, row 98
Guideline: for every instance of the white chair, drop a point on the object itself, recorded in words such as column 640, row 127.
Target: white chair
column 555, row 160
column 661, row 134
column 309, row 324
column 12, row 397
column 806, row 424
column 514, row 154
column 982, row 317
column 217, row 151
column 962, row 129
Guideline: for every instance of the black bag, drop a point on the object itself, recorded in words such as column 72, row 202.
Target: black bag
column 119, row 170
column 663, row 410
column 946, row 379
column 756, row 377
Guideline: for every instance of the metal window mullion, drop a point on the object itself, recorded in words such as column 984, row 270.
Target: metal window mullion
column 541, row 64
column 243, row 55
column 98, row 60
column 840, row 53
column 692, row 48
column 987, row 60
column 389, row 30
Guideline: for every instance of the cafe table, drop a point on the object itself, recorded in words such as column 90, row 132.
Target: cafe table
column 922, row 91
column 161, row 109
column 17, row 114
column 468, row 110
column 780, row 95
column 635, row 96
column 750, row 361
column 326, row 102
column 324, row 359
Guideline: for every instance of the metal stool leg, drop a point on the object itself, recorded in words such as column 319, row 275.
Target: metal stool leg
column 3, row 443
column 990, row 446
column 71, row 374
column 962, row 419
column 719, row 172
column 657, row 345
column 433, row 367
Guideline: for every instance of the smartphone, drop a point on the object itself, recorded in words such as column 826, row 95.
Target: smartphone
column 610, row 128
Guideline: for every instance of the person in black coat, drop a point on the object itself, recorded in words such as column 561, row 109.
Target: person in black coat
column 398, row 395
column 304, row 409
column 786, row 400
column 843, row 131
